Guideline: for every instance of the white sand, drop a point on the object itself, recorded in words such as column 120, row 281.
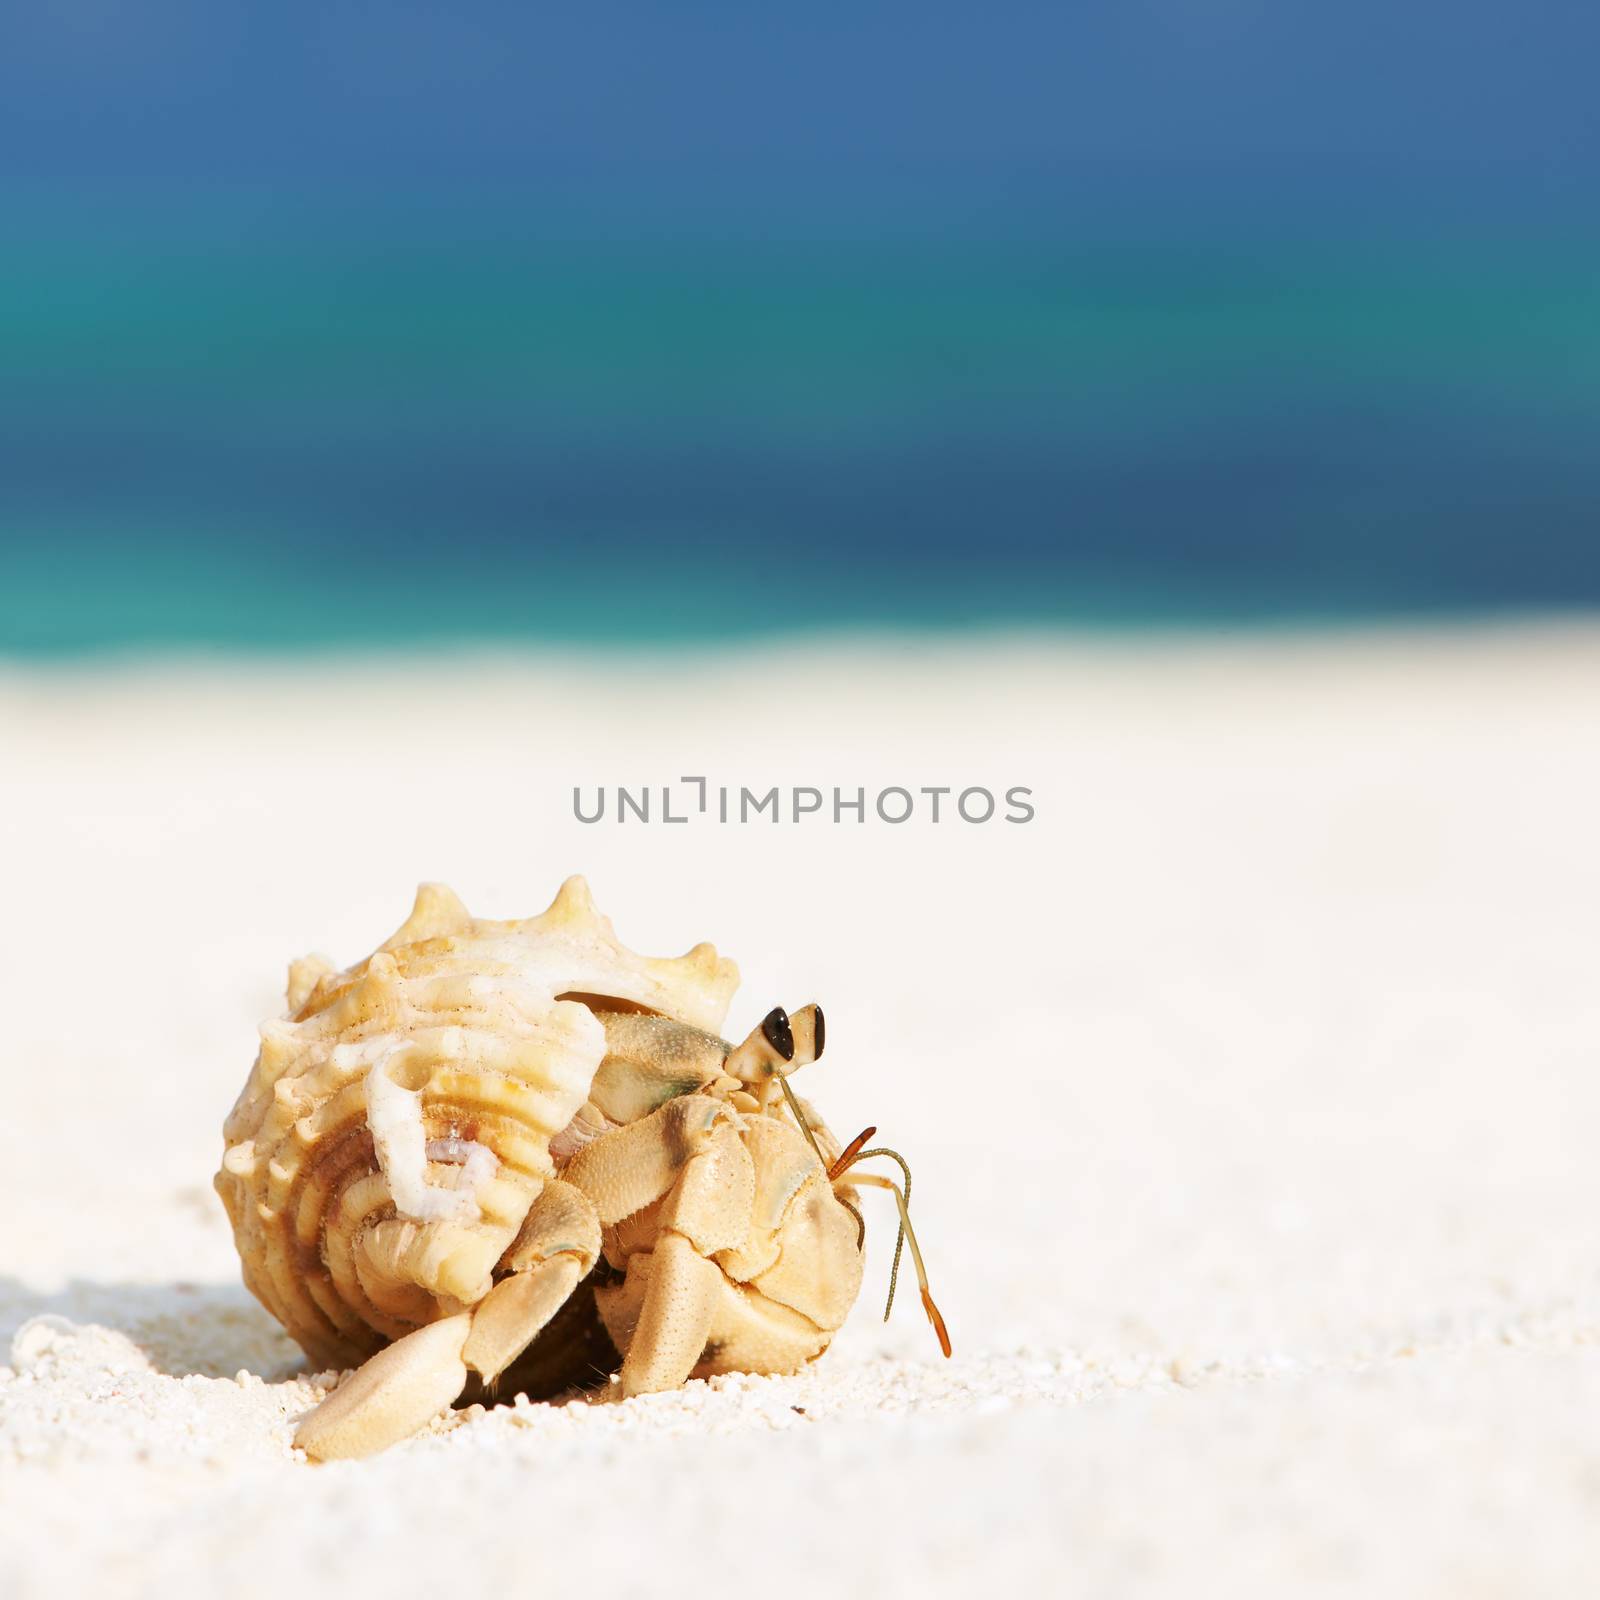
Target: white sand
column 1252, row 1090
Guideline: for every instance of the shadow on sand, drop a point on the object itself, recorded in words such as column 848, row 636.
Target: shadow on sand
column 213, row 1330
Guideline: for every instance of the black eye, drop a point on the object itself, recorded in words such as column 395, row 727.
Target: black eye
column 775, row 1025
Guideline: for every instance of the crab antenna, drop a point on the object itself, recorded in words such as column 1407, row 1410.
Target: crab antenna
column 908, row 1235
column 838, row 1169
column 849, row 1153
column 805, row 1127
column 811, row 1139
column 900, row 1237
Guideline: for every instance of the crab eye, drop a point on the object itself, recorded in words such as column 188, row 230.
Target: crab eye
column 778, row 1033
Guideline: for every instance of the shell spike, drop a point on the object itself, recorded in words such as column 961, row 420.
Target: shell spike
column 703, row 957
column 280, row 1044
column 437, row 911
column 381, row 985
column 573, row 902
column 304, row 976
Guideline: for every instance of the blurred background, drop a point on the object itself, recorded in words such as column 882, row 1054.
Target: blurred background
column 1183, row 409
column 329, row 326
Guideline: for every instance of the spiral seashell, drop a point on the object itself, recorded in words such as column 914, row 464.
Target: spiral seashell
column 396, row 1125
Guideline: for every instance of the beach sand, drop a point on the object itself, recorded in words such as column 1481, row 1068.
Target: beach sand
column 1251, row 1090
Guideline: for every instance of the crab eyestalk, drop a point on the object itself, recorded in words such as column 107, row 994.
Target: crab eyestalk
column 777, row 1045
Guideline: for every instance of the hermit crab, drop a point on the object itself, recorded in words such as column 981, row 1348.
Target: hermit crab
column 503, row 1156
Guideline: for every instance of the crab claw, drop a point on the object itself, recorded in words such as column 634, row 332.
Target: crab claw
column 388, row 1398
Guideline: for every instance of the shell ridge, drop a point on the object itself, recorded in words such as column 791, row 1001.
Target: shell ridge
column 396, row 1123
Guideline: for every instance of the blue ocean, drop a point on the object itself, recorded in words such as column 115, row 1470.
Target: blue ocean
column 325, row 329
column 347, row 443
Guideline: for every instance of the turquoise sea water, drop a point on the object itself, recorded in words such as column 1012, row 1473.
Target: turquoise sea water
column 344, row 440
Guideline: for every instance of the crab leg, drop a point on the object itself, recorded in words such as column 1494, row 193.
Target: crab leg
column 506, row 1321
column 387, row 1399
column 624, row 1171
column 910, row 1237
column 689, row 1155
column 675, row 1318
column 707, row 1210
column 650, row 1060
column 558, row 1244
